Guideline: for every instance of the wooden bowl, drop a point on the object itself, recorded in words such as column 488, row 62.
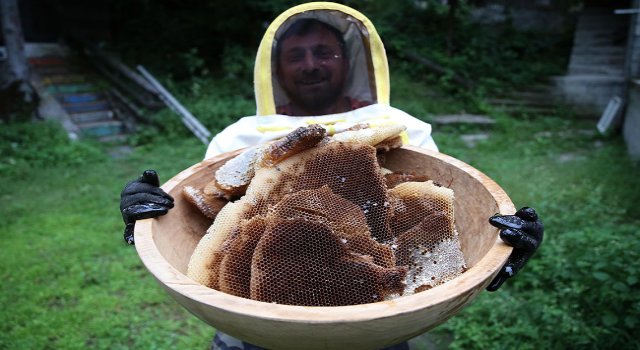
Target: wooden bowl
column 165, row 246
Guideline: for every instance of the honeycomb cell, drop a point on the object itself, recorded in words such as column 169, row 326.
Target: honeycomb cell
column 302, row 262
column 319, row 225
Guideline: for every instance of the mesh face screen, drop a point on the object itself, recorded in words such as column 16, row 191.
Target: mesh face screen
column 324, row 227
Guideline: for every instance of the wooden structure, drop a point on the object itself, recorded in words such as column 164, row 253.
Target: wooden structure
column 78, row 98
column 105, row 105
column 596, row 71
column 631, row 123
column 165, row 246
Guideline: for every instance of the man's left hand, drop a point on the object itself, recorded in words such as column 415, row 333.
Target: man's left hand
column 523, row 231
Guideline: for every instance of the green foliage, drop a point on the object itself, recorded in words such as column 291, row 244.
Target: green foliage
column 175, row 34
column 66, row 268
column 496, row 57
column 216, row 103
column 238, row 62
column 580, row 290
column 204, row 37
column 15, row 105
column 25, row 146
column 68, row 279
column 425, row 101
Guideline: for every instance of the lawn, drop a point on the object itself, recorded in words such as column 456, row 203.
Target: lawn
column 70, row 282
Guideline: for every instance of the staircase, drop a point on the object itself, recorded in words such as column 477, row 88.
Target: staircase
column 599, row 46
column 532, row 100
column 596, row 71
column 79, row 94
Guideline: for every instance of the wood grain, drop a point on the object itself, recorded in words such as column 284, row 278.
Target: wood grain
column 165, row 246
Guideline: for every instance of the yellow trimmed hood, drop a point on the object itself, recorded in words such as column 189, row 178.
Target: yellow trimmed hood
column 369, row 71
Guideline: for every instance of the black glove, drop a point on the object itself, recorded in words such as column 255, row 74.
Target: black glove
column 143, row 199
column 523, row 231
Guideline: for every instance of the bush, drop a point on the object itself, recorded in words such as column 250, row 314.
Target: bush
column 204, row 37
column 496, row 57
column 41, row 145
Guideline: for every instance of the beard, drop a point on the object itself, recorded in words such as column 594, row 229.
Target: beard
column 318, row 100
column 315, row 98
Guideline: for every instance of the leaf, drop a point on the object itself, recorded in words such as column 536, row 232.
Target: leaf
column 609, row 319
column 630, row 321
column 621, row 287
column 601, row 276
column 631, row 280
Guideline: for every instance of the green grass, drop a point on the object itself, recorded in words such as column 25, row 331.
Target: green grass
column 68, row 279
column 70, row 282
column 580, row 290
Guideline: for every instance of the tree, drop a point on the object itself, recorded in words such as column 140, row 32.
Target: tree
column 451, row 25
column 14, row 76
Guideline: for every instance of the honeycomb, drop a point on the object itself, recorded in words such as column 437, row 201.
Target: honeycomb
column 322, row 226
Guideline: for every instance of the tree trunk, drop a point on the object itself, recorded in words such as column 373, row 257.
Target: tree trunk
column 16, row 96
column 15, row 69
column 451, row 25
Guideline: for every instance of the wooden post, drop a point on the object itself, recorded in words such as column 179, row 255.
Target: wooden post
column 119, row 67
column 187, row 118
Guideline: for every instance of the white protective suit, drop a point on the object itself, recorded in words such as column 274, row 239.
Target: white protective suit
column 368, row 81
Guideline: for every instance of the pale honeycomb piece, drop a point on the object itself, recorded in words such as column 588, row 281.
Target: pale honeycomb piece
column 199, row 268
column 438, row 266
column 371, row 136
column 235, row 175
column 389, row 144
column 411, row 202
column 209, row 205
column 423, row 219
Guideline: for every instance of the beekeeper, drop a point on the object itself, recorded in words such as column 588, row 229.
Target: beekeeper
column 321, row 63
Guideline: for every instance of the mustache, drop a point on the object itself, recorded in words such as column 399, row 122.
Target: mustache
column 315, row 76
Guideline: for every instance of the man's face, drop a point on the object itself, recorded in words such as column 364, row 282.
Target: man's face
column 312, row 70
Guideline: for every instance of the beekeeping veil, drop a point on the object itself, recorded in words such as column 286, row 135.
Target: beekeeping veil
column 368, row 79
column 366, row 87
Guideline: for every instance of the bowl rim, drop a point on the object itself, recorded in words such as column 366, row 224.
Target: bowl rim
column 480, row 274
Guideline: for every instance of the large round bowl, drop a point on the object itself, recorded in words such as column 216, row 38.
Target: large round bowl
column 165, row 246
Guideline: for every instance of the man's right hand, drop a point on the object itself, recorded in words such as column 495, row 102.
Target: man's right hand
column 143, row 199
